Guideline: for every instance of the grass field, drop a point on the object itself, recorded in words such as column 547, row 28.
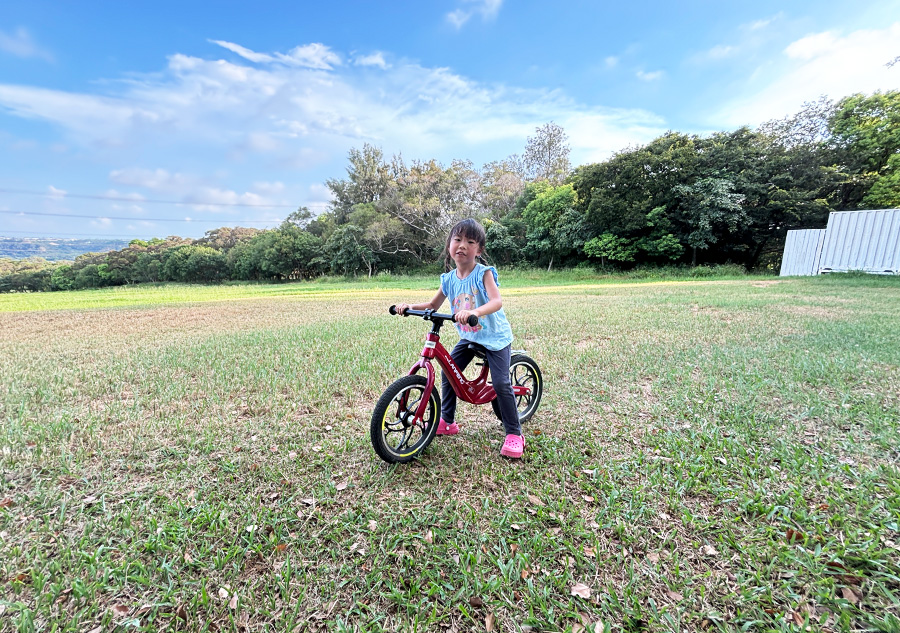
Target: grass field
column 709, row 455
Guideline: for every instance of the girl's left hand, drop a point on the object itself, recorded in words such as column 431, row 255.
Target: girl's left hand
column 463, row 316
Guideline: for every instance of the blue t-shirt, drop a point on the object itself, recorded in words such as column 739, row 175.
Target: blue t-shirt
column 493, row 330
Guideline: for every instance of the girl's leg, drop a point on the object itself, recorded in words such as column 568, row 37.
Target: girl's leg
column 462, row 356
column 499, row 364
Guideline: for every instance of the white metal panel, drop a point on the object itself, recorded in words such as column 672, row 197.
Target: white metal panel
column 862, row 240
column 802, row 250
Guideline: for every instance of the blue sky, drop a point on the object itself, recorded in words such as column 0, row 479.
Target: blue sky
column 239, row 113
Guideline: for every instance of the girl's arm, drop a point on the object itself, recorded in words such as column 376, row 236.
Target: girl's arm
column 436, row 302
column 494, row 301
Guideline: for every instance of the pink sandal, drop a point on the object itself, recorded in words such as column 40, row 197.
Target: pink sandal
column 447, row 429
column 513, row 446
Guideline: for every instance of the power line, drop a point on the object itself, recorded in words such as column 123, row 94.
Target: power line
column 56, row 235
column 136, row 219
column 44, row 194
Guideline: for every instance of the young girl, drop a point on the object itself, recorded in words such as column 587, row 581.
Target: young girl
column 473, row 289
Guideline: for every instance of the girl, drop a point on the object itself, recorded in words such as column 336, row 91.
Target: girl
column 473, row 289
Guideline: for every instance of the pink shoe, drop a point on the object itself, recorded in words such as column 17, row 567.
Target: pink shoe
column 447, row 429
column 513, row 446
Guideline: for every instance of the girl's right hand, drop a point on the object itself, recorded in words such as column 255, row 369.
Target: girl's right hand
column 401, row 308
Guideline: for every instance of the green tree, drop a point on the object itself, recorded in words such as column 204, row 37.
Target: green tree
column 866, row 133
column 710, row 207
column 348, row 251
column 555, row 227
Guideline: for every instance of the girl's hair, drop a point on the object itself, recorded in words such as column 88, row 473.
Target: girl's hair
column 469, row 230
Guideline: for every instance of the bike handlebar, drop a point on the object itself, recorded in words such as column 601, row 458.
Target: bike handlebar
column 431, row 315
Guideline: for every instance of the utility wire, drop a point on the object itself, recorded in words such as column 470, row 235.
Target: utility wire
column 44, row 194
column 64, row 235
column 137, row 219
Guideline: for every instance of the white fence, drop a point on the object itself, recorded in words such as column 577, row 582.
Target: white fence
column 853, row 240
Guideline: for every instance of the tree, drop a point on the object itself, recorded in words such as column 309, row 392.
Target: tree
column 547, row 154
column 710, row 207
column 369, row 179
column 555, row 228
column 348, row 252
column 502, row 184
column 809, row 127
column 866, row 132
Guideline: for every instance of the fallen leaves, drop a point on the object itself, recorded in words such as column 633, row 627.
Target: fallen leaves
column 7, row 502
column 120, row 610
column 709, row 550
column 536, row 501
column 581, row 590
column 489, row 622
column 794, row 535
column 674, row 595
column 851, row 595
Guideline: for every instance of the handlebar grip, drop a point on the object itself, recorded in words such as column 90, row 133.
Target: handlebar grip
column 393, row 309
column 472, row 320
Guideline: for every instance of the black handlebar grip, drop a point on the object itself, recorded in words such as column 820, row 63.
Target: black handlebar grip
column 393, row 309
column 472, row 320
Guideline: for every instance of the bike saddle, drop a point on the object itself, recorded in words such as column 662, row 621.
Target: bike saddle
column 478, row 349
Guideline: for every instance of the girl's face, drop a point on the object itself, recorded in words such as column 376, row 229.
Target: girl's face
column 464, row 250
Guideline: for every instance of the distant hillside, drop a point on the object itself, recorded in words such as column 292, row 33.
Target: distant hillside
column 54, row 249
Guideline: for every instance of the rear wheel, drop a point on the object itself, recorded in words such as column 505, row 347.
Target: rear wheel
column 395, row 437
column 524, row 372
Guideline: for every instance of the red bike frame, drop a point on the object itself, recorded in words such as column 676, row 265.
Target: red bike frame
column 476, row 391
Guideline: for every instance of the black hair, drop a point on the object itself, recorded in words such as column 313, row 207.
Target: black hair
column 467, row 229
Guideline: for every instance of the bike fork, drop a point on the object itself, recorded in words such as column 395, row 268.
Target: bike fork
column 429, row 385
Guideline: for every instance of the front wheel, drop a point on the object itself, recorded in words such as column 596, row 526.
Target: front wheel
column 524, row 372
column 395, row 436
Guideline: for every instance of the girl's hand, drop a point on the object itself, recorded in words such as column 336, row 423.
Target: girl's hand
column 463, row 316
column 401, row 308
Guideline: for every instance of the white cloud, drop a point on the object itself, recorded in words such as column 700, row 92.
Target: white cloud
column 193, row 190
column 611, row 61
column 655, row 75
column 375, row 59
column 55, row 193
column 20, row 44
column 487, row 9
column 721, row 51
column 758, row 25
column 828, row 63
column 269, row 188
column 812, row 46
column 315, row 55
column 296, row 117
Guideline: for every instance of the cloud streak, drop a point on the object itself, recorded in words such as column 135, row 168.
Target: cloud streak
column 20, row 44
column 487, row 9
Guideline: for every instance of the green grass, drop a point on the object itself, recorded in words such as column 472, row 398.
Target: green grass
column 171, row 293
column 709, row 455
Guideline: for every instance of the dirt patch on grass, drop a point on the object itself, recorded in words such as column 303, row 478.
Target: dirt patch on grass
column 85, row 327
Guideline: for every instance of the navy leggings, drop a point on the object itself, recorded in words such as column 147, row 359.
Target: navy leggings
column 498, row 362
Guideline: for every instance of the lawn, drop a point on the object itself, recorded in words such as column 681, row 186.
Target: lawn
column 709, row 455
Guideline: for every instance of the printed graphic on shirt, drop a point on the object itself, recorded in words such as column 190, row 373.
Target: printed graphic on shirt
column 466, row 301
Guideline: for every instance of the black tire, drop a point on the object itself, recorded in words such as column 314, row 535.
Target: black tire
column 523, row 371
column 394, row 439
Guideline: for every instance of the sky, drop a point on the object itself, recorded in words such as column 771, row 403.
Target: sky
column 148, row 119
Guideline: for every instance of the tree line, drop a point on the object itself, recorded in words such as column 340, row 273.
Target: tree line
column 681, row 199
